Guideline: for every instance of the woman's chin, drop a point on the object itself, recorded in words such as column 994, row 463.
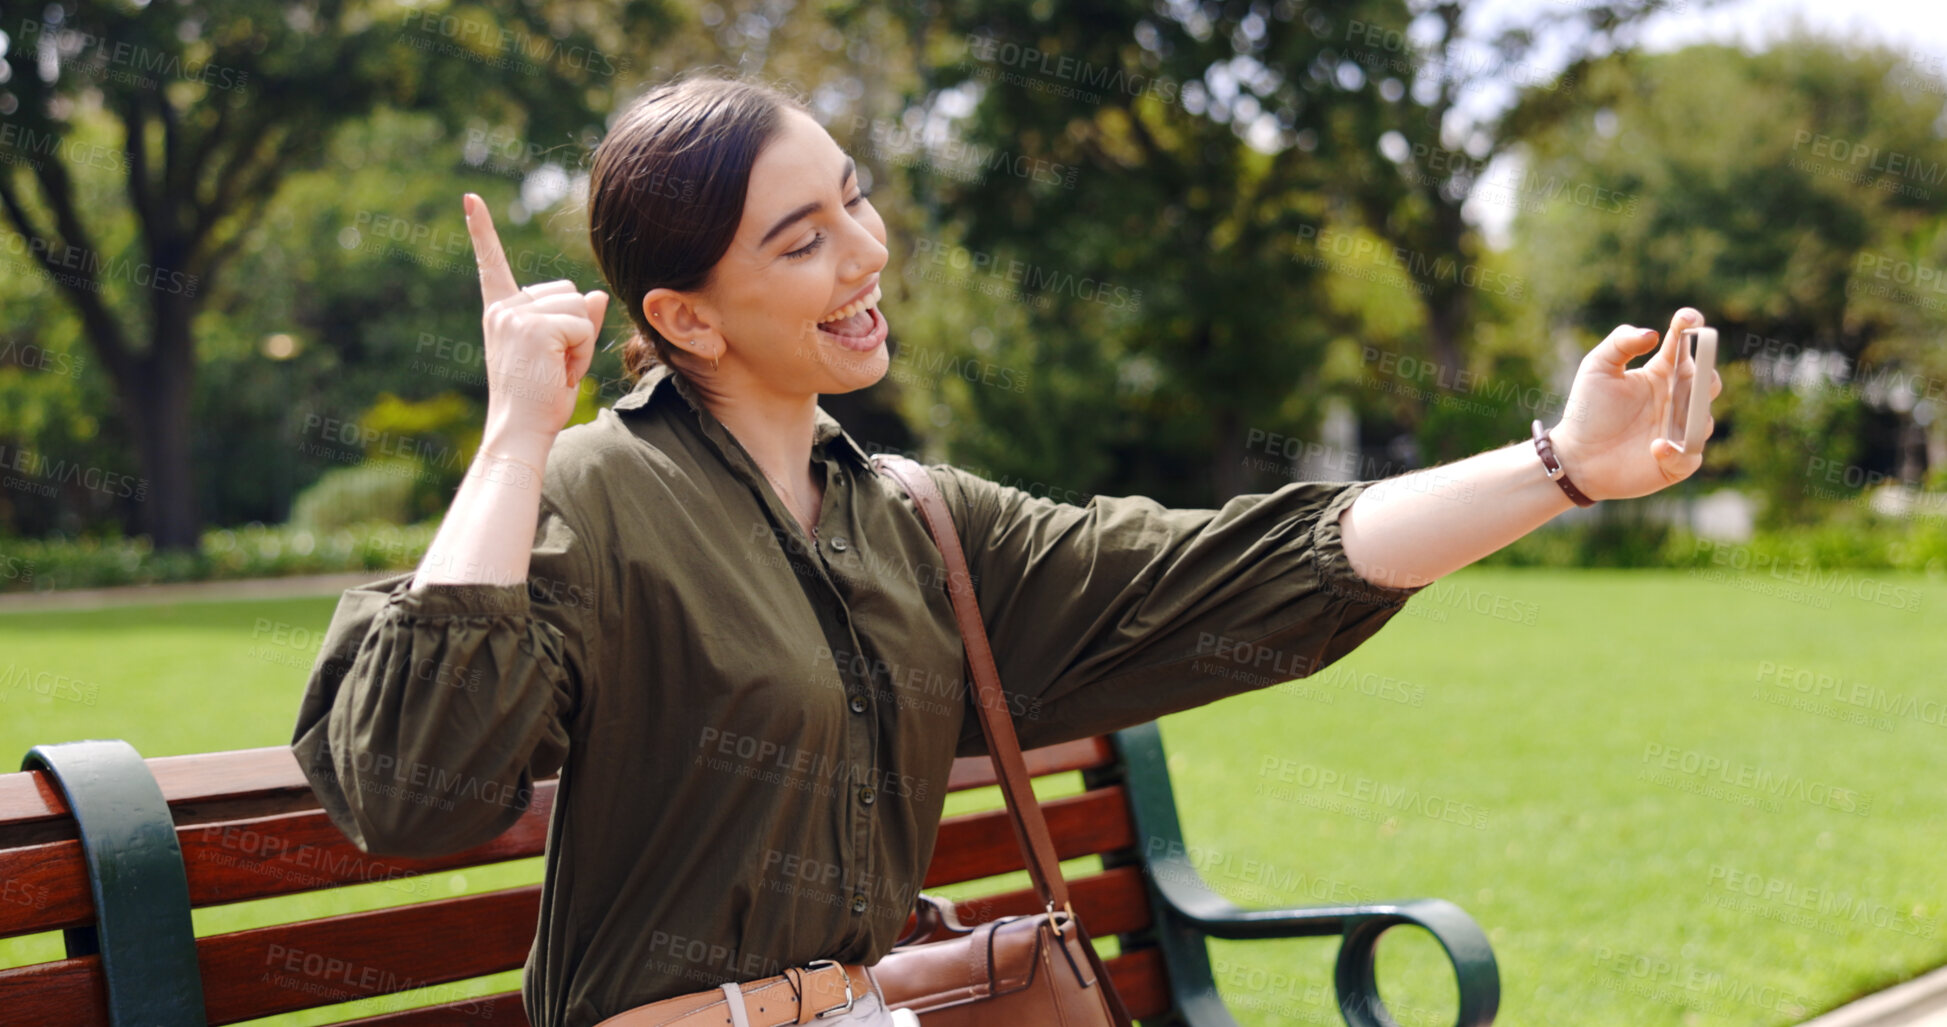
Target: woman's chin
column 855, row 370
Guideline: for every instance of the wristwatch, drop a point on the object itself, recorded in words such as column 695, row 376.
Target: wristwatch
column 1553, row 466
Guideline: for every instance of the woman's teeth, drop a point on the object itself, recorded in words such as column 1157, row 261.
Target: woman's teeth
column 854, row 307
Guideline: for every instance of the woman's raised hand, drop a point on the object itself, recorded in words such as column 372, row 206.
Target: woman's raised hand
column 539, row 340
column 1610, row 438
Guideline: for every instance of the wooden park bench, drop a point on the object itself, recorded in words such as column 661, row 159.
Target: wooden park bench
column 115, row 851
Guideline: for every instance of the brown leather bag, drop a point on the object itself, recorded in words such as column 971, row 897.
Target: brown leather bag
column 1028, row 970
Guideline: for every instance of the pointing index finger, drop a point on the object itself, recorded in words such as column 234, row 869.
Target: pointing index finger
column 496, row 278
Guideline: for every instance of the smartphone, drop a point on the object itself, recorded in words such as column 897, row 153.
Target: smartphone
column 1690, row 387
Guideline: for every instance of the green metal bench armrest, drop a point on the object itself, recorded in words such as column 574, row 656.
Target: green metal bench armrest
column 143, row 930
column 1186, row 895
column 1189, row 912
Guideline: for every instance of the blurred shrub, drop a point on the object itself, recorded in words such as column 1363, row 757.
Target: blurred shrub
column 1848, row 536
column 253, row 551
column 377, row 490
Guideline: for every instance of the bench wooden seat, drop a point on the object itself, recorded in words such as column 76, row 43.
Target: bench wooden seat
column 246, row 826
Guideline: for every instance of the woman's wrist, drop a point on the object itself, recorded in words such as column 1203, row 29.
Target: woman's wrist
column 1559, row 458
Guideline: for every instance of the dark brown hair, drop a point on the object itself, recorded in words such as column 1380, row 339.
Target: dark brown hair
column 666, row 192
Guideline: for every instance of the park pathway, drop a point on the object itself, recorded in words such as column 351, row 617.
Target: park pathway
column 187, row 592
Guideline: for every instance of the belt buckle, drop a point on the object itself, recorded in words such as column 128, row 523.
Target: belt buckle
column 847, row 1007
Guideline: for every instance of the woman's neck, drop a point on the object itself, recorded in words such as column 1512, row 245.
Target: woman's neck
column 776, row 430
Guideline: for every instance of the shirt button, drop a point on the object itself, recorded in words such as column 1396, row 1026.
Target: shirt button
column 858, row 704
column 838, row 544
column 858, row 903
column 866, row 795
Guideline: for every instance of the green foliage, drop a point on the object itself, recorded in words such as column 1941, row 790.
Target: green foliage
column 373, row 490
column 1842, row 536
column 1792, row 209
column 252, row 551
column 1779, row 436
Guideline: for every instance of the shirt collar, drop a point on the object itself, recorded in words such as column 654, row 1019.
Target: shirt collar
column 659, row 381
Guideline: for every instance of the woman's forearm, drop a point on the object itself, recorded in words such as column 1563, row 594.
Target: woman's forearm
column 1409, row 530
column 488, row 534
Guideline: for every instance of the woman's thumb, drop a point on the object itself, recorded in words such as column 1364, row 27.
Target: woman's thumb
column 597, row 308
column 1675, row 463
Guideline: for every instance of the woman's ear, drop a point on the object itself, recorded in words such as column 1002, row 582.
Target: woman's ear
column 688, row 324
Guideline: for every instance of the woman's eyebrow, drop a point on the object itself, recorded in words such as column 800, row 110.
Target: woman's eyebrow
column 807, row 210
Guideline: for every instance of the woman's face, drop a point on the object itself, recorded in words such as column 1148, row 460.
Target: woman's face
column 808, row 245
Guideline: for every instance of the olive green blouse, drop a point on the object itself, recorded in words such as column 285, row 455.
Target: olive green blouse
column 754, row 727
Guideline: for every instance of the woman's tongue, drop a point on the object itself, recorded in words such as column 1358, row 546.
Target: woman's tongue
column 858, row 324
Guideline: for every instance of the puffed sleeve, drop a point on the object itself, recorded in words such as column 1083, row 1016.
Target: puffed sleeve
column 1121, row 611
column 429, row 715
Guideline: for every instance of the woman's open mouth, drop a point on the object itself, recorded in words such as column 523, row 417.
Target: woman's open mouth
column 862, row 329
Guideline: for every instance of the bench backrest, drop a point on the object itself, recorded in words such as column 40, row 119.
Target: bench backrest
column 249, row 828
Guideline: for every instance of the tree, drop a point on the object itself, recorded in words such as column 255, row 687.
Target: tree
column 1799, row 208
column 213, row 106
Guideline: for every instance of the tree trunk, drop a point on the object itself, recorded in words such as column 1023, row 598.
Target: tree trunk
column 164, row 434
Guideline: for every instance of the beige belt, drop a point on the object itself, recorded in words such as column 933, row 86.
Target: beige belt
column 799, row 995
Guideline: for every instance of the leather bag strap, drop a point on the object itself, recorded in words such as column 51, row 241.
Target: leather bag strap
column 1030, row 826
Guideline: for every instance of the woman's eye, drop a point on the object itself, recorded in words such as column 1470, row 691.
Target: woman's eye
column 805, row 250
column 817, row 240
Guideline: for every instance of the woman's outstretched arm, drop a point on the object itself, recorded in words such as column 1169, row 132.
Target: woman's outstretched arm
column 1407, row 531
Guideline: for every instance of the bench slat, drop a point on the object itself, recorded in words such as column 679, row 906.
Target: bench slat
column 234, row 861
column 44, row 887
column 69, row 992
column 1142, row 981
column 976, row 845
column 268, row 970
column 504, row 1009
column 1081, row 754
column 298, row 852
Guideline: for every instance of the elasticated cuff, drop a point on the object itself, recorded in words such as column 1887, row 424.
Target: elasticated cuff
column 1335, row 571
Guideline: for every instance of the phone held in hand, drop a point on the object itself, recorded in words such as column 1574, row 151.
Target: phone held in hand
column 1690, row 387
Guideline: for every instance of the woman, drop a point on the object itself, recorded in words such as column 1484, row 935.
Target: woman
column 732, row 637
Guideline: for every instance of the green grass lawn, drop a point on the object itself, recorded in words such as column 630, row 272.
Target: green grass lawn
column 1616, row 773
